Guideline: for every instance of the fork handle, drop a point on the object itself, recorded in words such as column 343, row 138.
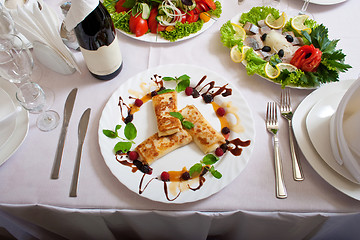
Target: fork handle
column 297, row 171
column 279, row 180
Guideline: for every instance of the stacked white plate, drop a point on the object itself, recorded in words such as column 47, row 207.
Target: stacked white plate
column 321, row 123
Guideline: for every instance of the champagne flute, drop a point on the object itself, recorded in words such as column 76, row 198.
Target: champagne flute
column 31, row 96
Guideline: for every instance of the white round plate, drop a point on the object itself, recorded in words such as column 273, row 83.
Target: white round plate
column 155, row 38
column 326, row 2
column 229, row 166
column 21, row 125
column 7, row 125
column 318, row 127
column 304, row 142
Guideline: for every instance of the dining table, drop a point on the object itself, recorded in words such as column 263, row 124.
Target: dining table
column 34, row 206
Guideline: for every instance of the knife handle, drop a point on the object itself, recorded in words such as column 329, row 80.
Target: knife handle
column 59, row 153
column 75, row 178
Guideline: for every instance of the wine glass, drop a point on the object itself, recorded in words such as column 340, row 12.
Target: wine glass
column 32, row 97
column 278, row 4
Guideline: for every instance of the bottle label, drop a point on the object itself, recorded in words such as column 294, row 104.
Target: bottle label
column 105, row 60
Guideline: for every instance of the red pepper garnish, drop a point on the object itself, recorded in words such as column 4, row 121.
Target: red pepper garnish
column 307, row 58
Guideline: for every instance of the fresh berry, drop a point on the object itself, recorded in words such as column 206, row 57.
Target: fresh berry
column 225, row 130
column 138, row 102
column 133, row 155
column 185, row 176
column 165, row 176
column 226, row 136
column 146, row 169
column 220, row 111
column 189, row 91
column 195, row 93
column 219, row 152
column 207, row 98
column 153, row 93
column 224, row 147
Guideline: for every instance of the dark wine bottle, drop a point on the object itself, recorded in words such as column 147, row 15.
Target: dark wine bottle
column 99, row 45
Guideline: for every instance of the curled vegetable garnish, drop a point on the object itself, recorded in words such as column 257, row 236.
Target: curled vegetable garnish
column 307, row 58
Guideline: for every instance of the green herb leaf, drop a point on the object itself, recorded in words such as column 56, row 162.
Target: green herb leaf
column 129, row 3
column 181, row 86
column 210, row 159
column 165, row 91
column 110, row 133
column 130, row 131
column 187, row 124
column 196, row 168
column 123, row 146
column 184, row 77
column 215, row 173
column 168, row 79
column 177, row 115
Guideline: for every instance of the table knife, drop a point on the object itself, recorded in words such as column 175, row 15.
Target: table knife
column 68, row 108
column 83, row 124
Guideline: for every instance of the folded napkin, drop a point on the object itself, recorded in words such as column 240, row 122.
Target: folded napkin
column 78, row 11
column 37, row 22
column 351, row 124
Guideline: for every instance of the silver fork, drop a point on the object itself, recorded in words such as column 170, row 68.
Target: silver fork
column 304, row 7
column 272, row 125
column 286, row 112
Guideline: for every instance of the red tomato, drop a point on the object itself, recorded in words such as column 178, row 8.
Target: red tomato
column 138, row 25
column 154, row 26
column 201, row 7
column 210, row 3
column 307, row 58
column 119, row 8
column 192, row 17
column 183, row 17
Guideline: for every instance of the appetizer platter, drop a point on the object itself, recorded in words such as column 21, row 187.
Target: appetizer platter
column 293, row 52
column 176, row 133
column 163, row 21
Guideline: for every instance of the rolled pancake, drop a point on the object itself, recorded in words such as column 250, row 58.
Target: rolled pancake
column 204, row 135
column 164, row 104
column 155, row 147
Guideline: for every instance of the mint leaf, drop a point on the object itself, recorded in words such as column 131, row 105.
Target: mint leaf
column 188, row 125
column 196, row 168
column 109, row 133
column 123, row 146
column 210, row 159
column 130, row 131
column 177, row 115
column 215, row 173
column 181, row 86
column 184, row 77
column 165, row 91
column 168, row 79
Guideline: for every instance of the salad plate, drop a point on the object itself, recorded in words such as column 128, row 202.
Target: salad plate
column 302, row 137
column 290, row 51
column 17, row 136
column 157, row 38
column 229, row 165
column 326, row 2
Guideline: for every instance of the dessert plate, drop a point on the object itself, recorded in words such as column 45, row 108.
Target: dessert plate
column 229, row 166
column 21, row 124
column 300, row 131
column 318, row 127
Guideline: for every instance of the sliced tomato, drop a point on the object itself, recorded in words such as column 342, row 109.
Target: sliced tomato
column 192, row 16
column 183, row 17
column 138, row 25
column 202, row 7
column 307, row 58
column 210, row 3
column 119, row 8
column 154, row 25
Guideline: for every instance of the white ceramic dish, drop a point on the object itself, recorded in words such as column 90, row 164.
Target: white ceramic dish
column 326, row 2
column 229, row 165
column 318, row 128
column 7, row 125
column 21, row 125
column 304, row 142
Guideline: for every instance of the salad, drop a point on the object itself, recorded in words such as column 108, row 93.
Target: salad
column 170, row 19
column 293, row 52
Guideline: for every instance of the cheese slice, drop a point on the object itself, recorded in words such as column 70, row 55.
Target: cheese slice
column 164, row 104
column 204, row 135
column 155, row 147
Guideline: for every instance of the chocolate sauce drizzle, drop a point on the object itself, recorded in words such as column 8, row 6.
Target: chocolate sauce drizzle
column 208, row 90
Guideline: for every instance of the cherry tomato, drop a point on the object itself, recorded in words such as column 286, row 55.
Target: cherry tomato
column 119, row 8
column 201, row 7
column 154, row 26
column 307, row 58
column 192, row 17
column 209, row 3
column 138, row 25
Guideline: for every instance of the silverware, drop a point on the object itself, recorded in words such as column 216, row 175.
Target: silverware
column 304, row 7
column 69, row 105
column 83, row 124
column 286, row 112
column 272, row 125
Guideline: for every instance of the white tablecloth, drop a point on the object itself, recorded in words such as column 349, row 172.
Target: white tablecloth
column 34, row 206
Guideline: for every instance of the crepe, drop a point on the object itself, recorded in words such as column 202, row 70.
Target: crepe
column 164, row 104
column 203, row 134
column 155, row 147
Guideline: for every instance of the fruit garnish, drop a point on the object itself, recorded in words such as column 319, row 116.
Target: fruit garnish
column 275, row 23
column 239, row 31
column 287, row 66
column 298, row 24
column 271, row 72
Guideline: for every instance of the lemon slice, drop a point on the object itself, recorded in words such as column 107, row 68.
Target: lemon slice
column 297, row 23
column 288, row 66
column 271, row 72
column 275, row 23
column 239, row 32
column 236, row 55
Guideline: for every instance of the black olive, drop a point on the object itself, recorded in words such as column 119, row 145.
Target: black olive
column 281, row 53
column 263, row 37
column 289, row 38
column 266, row 49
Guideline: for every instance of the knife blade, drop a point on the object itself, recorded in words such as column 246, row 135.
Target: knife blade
column 68, row 108
column 83, row 124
